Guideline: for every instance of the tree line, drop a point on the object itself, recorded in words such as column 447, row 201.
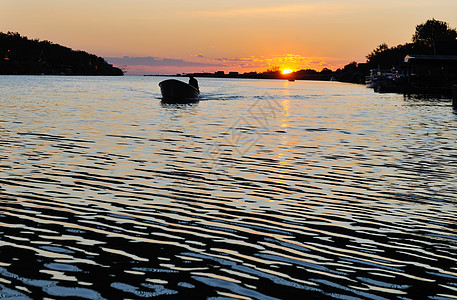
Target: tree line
column 433, row 37
column 23, row 56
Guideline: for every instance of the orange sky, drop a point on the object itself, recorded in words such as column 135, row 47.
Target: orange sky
column 177, row 36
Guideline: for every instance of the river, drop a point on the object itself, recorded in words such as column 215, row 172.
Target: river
column 265, row 189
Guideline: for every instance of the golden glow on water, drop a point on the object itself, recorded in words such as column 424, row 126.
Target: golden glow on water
column 300, row 185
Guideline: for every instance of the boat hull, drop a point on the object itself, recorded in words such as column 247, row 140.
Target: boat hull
column 175, row 91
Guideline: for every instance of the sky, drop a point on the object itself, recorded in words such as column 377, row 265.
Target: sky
column 177, row 36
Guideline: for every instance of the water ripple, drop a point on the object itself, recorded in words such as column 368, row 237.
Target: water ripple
column 337, row 193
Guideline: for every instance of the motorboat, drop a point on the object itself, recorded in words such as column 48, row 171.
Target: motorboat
column 378, row 77
column 176, row 91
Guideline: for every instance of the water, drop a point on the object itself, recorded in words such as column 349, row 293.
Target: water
column 262, row 190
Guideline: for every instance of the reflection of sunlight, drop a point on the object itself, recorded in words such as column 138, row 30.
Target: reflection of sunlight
column 282, row 154
column 59, row 275
column 286, row 105
column 284, row 140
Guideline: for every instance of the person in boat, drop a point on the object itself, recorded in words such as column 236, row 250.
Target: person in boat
column 193, row 82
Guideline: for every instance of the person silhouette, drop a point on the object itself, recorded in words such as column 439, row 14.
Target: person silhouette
column 193, row 82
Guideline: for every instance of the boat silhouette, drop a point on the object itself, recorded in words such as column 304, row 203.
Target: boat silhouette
column 176, row 91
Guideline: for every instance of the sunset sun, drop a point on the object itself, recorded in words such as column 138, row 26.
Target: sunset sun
column 286, row 71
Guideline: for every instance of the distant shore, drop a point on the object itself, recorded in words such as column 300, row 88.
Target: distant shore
column 353, row 73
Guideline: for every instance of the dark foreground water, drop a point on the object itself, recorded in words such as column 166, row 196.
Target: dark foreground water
column 263, row 190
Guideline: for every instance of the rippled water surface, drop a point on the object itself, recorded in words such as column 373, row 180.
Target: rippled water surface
column 262, row 190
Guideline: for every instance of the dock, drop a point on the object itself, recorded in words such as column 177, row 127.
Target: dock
column 419, row 74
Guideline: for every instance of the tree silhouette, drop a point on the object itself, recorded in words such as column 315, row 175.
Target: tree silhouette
column 274, row 69
column 431, row 37
column 382, row 48
column 434, row 31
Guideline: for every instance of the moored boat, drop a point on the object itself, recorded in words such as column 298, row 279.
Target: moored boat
column 177, row 91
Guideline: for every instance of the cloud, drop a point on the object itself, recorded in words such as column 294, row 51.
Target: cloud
column 321, row 7
column 156, row 65
column 156, row 62
column 292, row 61
column 310, row 9
column 135, row 65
